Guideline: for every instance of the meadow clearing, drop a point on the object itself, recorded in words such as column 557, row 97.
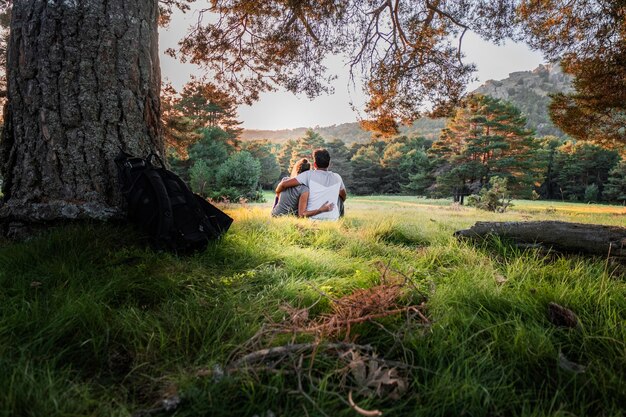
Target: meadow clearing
column 381, row 313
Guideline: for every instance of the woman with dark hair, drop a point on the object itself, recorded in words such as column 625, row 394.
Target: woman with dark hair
column 294, row 200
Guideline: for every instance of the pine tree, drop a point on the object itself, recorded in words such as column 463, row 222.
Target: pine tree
column 284, row 157
column 209, row 106
column 405, row 165
column 83, row 81
column 262, row 150
column 409, row 53
column 549, row 149
column 615, row 187
column 340, row 161
column 367, row 171
column 179, row 131
column 487, row 138
column 305, row 146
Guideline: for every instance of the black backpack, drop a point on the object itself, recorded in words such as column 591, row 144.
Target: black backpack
column 162, row 205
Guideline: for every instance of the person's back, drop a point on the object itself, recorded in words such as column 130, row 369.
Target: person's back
column 287, row 203
column 324, row 186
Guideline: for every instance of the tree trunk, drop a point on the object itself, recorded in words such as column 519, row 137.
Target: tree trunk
column 564, row 237
column 456, row 198
column 83, row 83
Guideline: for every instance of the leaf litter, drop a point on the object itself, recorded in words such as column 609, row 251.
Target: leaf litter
column 359, row 368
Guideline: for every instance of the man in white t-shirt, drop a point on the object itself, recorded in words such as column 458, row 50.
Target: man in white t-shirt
column 324, row 186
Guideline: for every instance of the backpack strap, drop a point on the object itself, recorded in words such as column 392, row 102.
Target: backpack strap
column 152, row 156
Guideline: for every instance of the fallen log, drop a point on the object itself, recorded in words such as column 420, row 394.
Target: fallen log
column 594, row 239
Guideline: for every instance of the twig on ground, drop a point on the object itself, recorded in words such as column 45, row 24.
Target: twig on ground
column 301, row 390
column 366, row 413
column 281, row 351
column 397, row 338
column 419, row 313
column 383, row 279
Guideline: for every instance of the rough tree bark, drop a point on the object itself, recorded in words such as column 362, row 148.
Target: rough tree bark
column 592, row 239
column 83, row 82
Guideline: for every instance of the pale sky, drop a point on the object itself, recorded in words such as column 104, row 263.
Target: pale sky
column 284, row 110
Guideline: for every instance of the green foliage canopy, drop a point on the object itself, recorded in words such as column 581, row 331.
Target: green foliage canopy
column 238, row 177
column 579, row 165
column 263, row 151
column 409, row 53
column 486, row 138
column 615, row 188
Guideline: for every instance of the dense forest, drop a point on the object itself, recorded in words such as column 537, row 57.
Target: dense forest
column 486, row 138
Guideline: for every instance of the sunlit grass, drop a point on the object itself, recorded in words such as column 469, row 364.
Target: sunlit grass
column 92, row 323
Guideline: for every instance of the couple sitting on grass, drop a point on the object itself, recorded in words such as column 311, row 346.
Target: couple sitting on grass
column 318, row 193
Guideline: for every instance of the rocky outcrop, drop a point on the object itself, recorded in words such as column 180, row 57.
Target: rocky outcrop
column 529, row 91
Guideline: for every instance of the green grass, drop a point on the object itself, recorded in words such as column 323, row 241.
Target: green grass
column 92, row 323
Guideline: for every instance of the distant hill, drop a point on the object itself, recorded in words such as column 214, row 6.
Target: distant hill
column 528, row 91
column 348, row 132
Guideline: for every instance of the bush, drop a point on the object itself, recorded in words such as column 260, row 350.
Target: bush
column 534, row 195
column 234, row 195
column 229, row 194
column 205, row 157
column 591, row 193
column 495, row 197
column 238, row 177
column 473, row 200
column 200, row 178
